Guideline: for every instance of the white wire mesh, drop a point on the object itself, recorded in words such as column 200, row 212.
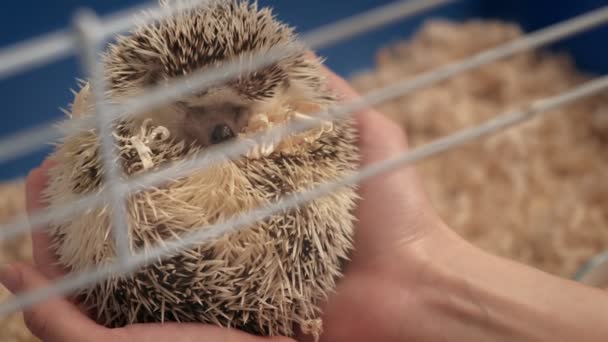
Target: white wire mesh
column 29, row 140
column 91, row 37
column 202, row 234
column 57, row 45
column 320, row 37
column 233, row 150
column 93, row 32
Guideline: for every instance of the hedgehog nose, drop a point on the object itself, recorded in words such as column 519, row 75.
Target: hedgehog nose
column 221, row 133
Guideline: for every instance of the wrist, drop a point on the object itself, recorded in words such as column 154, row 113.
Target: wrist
column 460, row 303
column 477, row 296
column 449, row 305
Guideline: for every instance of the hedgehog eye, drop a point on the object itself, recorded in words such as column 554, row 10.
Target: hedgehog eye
column 221, row 133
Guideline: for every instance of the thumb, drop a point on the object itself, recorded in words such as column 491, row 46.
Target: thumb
column 54, row 319
column 44, row 257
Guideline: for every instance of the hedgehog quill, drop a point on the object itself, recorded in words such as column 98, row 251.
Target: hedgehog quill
column 267, row 279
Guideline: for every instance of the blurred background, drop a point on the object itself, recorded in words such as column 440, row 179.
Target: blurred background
column 35, row 96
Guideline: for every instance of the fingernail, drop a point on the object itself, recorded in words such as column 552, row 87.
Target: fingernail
column 9, row 277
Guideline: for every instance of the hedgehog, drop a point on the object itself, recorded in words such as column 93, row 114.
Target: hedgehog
column 267, row 279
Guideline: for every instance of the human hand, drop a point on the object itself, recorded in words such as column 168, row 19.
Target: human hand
column 395, row 203
column 411, row 278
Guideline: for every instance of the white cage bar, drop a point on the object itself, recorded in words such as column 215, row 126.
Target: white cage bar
column 117, row 191
column 91, row 36
column 202, row 234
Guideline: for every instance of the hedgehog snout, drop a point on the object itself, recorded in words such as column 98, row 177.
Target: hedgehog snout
column 210, row 126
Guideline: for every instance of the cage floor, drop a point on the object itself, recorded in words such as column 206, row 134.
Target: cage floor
column 533, row 194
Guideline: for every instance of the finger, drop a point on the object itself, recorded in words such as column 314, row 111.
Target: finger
column 36, row 182
column 380, row 139
column 187, row 332
column 43, row 255
column 54, row 319
column 48, row 163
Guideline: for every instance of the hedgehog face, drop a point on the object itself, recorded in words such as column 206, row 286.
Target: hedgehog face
column 206, row 38
column 210, row 125
column 218, row 116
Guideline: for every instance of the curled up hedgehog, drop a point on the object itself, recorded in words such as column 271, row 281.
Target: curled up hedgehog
column 268, row 278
